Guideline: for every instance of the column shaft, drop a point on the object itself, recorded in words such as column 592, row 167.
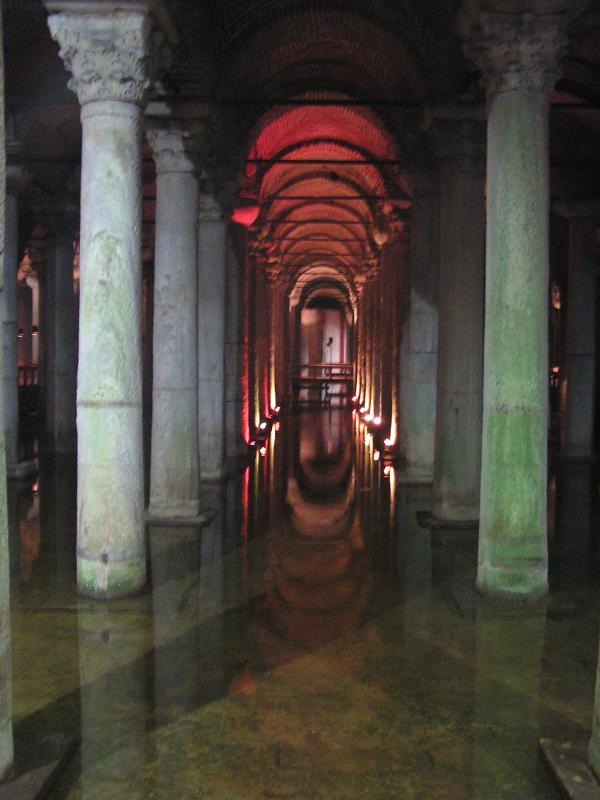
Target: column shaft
column 61, row 350
column 423, row 335
column 578, row 434
column 174, row 473
column 235, row 446
column 6, row 734
column 512, row 538
column 460, row 341
column 9, row 327
column 110, row 504
column 211, row 347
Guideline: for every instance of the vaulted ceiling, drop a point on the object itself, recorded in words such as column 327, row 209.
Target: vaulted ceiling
column 316, row 108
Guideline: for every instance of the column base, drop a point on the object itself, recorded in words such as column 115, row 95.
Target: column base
column 410, row 478
column 21, row 470
column 429, row 520
column 579, row 458
column 569, row 764
column 512, row 586
column 186, row 509
column 213, row 477
column 110, row 580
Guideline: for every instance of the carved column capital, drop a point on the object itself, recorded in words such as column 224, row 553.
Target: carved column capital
column 171, row 149
column 112, row 55
column 518, row 52
column 209, row 209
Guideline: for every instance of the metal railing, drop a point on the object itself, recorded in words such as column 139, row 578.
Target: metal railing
column 324, row 372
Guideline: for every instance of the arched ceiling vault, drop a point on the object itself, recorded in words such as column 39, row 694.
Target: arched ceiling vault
column 328, row 183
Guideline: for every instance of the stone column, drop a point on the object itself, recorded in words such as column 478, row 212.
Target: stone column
column 235, row 446
column 61, row 340
column 460, row 149
column 15, row 181
column 580, row 346
column 174, row 467
column 111, row 53
column 423, row 329
column 518, row 56
column 6, row 735
column 211, row 337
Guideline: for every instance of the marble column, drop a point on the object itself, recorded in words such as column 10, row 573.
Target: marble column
column 15, row 181
column 211, row 338
column 113, row 57
column 423, row 329
column 513, row 562
column 580, row 346
column 460, row 150
column 174, row 466
column 235, row 446
column 61, row 341
column 6, row 735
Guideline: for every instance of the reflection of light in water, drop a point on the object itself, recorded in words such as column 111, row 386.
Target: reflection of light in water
column 29, row 536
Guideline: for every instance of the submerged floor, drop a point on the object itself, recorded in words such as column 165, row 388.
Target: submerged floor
column 311, row 642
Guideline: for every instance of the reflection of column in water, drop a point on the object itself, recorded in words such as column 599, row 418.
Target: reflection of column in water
column 115, row 676
column 507, row 689
column 6, row 737
column 14, row 534
column 413, row 546
column 573, row 524
column 58, row 503
column 211, row 589
column 175, row 567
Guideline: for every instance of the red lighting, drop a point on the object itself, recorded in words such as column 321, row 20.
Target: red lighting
column 245, row 214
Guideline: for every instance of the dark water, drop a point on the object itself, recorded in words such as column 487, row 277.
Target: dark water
column 312, row 641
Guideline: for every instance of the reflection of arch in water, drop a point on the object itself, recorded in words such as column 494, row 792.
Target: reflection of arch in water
column 319, row 577
column 323, row 455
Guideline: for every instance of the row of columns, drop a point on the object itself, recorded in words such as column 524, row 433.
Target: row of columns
column 192, row 263
column 488, row 461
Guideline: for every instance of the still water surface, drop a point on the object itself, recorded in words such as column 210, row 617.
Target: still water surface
column 312, row 641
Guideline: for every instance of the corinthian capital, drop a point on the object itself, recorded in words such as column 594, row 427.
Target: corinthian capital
column 518, row 51
column 209, row 209
column 112, row 54
column 171, row 150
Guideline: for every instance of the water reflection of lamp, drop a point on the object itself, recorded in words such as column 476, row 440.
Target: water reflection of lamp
column 34, row 330
column 20, row 333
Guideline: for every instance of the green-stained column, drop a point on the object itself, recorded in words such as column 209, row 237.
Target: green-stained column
column 6, row 737
column 110, row 52
column 460, row 147
column 580, row 345
column 174, row 466
column 423, row 328
column 212, row 283
column 518, row 58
